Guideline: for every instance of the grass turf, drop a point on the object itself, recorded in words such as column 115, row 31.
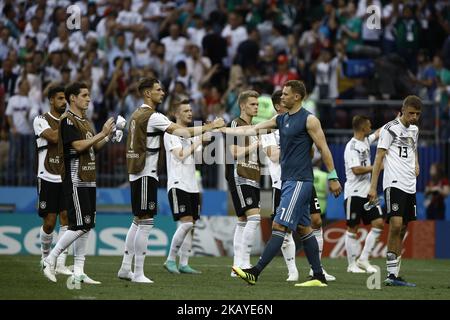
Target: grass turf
column 21, row 278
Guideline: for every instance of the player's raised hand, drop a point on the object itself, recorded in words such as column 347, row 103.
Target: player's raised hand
column 335, row 188
column 108, row 127
column 218, row 123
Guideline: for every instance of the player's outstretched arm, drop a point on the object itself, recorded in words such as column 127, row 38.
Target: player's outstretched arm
column 316, row 133
column 260, row 128
column 184, row 132
column 377, row 166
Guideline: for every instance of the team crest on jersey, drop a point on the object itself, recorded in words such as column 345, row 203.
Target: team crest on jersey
column 43, row 205
column 151, row 205
column 249, row 201
column 182, row 208
column 395, row 207
column 87, row 219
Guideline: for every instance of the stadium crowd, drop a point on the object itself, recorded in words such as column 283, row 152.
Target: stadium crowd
column 211, row 50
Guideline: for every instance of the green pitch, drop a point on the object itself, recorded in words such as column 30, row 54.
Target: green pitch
column 20, row 278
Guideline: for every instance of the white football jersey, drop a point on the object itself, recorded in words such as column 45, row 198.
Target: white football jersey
column 180, row 173
column 400, row 160
column 40, row 124
column 357, row 154
column 267, row 140
column 156, row 122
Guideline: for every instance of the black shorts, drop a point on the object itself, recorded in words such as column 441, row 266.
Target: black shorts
column 355, row 212
column 81, row 208
column 400, row 204
column 244, row 198
column 184, row 204
column 51, row 198
column 314, row 205
column 144, row 193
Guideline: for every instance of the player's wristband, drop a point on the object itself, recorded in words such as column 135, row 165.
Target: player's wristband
column 332, row 175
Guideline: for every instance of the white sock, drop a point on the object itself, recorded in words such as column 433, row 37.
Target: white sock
column 288, row 250
column 319, row 237
column 140, row 245
column 371, row 240
column 237, row 243
column 61, row 260
column 186, row 248
column 183, row 229
column 79, row 254
column 66, row 240
column 350, row 247
column 392, row 263
column 46, row 242
column 128, row 253
column 248, row 238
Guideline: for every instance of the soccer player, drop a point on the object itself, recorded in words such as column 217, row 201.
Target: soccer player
column 397, row 150
column 357, row 169
column 298, row 130
column 182, row 187
column 51, row 198
column 76, row 151
column 146, row 126
column 243, row 176
column 271, row 146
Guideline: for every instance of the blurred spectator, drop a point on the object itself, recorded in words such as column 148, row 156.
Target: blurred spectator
column 132, row 100
column 234, row 33
column 8, row 78
column 284, row 72
column 198, row 68
column 407, row 30
column 236, row 85
column 128, row 21
column 436, row 191
column 7, row 42
column 351, row 29
column 427, row 75
column 197, row 31
column 310, row 42
column 9, row 14
column 20, row 113
column 120, row 50
column 391, row 12
column 247, row 55
column 174, row 43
